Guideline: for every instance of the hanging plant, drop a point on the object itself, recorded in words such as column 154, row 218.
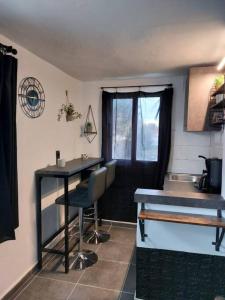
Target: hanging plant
column 219, row 80
column 89, row 127
column 69, row 111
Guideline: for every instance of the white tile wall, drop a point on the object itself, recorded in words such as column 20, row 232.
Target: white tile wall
column 216, row 144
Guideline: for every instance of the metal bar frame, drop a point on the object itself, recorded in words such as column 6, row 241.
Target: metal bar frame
column 219, row 233
column 66, row 229
column 54, row 235
column 41, row 246
column 142, row 225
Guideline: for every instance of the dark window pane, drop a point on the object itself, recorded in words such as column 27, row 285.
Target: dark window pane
column 122, row 128
column 148, row 129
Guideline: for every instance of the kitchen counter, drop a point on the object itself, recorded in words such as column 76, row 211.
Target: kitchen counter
column 180, row 194
column 170, row 245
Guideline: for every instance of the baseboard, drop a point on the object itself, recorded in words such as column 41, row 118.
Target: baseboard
column 119, row 223
column 26, row 279
column 47, row 257
column 57, row 243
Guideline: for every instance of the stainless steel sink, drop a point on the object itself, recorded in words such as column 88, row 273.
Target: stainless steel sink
column 183, row 177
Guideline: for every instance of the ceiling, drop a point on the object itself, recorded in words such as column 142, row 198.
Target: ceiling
column 96, row 39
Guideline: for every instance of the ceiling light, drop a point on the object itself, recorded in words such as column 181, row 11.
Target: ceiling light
column 221, row 64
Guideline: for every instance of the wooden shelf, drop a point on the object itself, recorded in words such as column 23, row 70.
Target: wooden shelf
column 219, row 105
column 182, row 218
column 220, row 90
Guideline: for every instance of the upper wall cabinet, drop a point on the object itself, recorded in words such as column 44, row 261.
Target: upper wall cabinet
column 201, row 84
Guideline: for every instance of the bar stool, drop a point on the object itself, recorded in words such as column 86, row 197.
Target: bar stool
column 97, row 236
column 111, row 172
column 83, row 198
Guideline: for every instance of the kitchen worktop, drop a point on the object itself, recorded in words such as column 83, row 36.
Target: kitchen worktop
column 179, row 194
column 177, row 232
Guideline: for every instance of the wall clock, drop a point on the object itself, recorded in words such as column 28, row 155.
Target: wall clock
column 32, row 97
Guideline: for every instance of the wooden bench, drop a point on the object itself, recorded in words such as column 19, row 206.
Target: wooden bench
column 184, row 218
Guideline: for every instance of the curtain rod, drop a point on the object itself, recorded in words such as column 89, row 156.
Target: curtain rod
column 135, row 86
column 7, row 49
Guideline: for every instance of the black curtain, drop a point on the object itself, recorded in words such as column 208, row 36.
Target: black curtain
column 8, row 150
column 118, row 203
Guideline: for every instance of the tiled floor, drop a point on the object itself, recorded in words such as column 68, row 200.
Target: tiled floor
column 111, row 278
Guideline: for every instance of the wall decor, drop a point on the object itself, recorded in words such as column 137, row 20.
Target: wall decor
column 69, row 111
column 90, row 130
column 31, row 97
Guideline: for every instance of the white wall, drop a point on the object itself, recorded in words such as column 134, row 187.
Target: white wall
column 216, row 144
column 38, row 139
column 186, row 146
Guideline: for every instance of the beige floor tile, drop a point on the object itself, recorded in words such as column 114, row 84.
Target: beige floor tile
column 105, row 274
column 115, row 251
column 56, row 270
column 104, row 227
column 83, row 292
column 123, row 235
column 46, row 289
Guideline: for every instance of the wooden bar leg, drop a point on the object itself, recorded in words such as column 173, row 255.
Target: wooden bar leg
column 66, row 230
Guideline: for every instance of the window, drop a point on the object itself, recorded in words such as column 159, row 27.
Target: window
column 147, row 128
column 122, row 128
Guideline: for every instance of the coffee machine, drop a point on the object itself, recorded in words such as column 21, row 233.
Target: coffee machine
column 211, row 179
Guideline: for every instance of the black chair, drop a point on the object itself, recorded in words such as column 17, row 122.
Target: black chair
column 111, row 172
column 83, row 198
column 97, row 236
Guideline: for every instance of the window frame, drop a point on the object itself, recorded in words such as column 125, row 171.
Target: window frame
column 134, row 128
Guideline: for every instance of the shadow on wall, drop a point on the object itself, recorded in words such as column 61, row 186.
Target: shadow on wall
column 52, row 214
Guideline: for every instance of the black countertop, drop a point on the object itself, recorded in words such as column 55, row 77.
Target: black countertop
column 180, row 194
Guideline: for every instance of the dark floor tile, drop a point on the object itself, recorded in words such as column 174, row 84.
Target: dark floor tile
column 83, row 292
column 123, row 235
column 133, row 258
column 55, row 270
column 46, row 289
column 126, row 296
column 105, row 274
column 115, row 251
column 130, row 282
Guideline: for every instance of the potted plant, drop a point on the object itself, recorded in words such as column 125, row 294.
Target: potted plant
column 219, row 80
column 88, row 127
column 69, row 111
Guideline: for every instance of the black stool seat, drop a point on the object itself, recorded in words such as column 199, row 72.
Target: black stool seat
column 97, row 236
column 77, row 198
column 84, row 198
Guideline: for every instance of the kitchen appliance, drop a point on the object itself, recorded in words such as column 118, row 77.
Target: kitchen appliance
column 211, row 178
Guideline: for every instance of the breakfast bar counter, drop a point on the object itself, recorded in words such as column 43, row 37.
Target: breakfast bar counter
column 179, row 232
column 72, row 167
